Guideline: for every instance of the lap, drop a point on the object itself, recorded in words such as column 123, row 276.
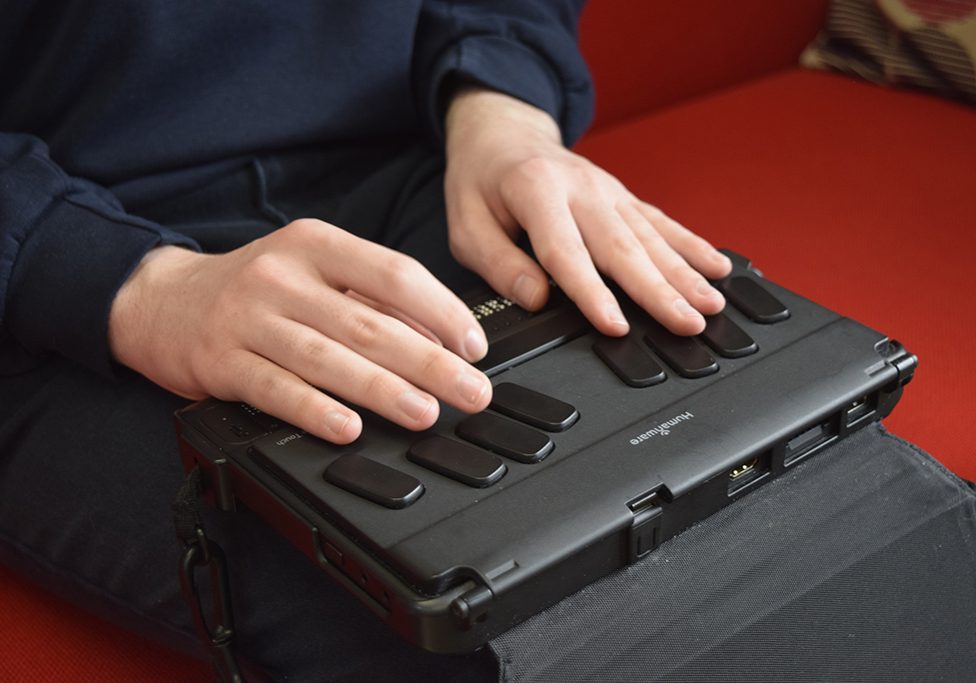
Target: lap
column 89, row 466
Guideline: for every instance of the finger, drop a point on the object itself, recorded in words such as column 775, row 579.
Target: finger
column 688, row 281
column 339, row 341
column 394, row 313
column 328, row 365
column 618, row 252
column 484, row 246
column 696, row 250
column 558, row 245
column 281, row 393
column 402, row 282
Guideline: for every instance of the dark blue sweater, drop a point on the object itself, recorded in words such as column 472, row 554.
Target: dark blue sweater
column 97, row 93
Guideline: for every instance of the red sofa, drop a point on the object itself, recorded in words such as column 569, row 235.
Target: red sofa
column 862, row 198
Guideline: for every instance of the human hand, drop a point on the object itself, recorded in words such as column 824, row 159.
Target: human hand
column 508, row 171
column 309, row 306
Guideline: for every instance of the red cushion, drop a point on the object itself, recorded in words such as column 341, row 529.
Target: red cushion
column 43, row 639
column 647, row 54
column 860, row 198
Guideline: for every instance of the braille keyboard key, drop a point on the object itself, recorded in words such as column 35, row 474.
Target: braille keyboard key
column 505, row 437
column 374, row 481
column 533, row 407
column 686, row 355
column 459, row 461
column 749, row 297
column 630, row 361
column 727, row 338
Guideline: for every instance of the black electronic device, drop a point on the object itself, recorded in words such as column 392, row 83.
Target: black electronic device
column 593, row 452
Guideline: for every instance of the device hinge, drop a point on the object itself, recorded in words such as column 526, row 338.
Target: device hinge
column 905, row 365
column 472, row 607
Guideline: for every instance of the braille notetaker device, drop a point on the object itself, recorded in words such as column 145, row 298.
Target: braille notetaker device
column 593, row 451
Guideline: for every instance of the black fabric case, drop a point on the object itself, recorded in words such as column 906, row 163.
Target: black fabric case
column 860, row 565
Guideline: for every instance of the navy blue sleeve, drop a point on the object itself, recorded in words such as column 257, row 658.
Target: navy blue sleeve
column 525, row 48
column 66, row 246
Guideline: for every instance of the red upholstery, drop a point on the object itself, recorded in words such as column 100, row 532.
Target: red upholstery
column 858, row 197
column 646, row 54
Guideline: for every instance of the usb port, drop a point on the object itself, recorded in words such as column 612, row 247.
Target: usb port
column 858, row 410
column 809, row 440
column 748, row 473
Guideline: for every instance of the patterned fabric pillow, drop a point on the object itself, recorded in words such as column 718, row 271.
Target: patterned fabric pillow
column 927, row 44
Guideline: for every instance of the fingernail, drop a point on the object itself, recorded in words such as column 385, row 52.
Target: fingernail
column 719, row 257
column 616, row 316
column 338, row 422
column 414, row 405
column 471, row 388
column 475, row 347
column 525, row 290
column 705, row 289
column 685, row 309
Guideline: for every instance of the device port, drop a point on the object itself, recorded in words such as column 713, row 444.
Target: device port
column 748, row 473
column 858, row 410
column 809, row 440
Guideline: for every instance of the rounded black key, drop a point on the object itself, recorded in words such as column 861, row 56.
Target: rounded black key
column 374, row 481
column 749, row 297
column 505, row 437
column 533, row 407
column 686, row 355
column 459, row 461
column 630, row 361
column 727, row 338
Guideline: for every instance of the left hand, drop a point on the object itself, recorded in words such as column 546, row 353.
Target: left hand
column 507, row 171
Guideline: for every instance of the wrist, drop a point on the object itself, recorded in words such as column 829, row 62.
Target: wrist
column 474, row 109
column 138, row 303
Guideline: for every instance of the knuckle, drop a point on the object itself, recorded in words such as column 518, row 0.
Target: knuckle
column 432, row 361
column 366, row 331
column 268, row 386
column 653, row 213
column 264, row 269
column 227, row 374
column 562, row 260
column 378, row 387
column 402, row 272
column 317, row 349
column 305, row 228
column 621, row 243
column 529, row 175
column 309, row 405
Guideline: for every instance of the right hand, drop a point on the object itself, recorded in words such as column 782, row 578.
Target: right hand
column 308, row 307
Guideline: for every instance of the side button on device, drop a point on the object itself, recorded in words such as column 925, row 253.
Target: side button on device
column 532, row 407
column 374, row 481
column 630, row 361
column 749, row 297
column 505, row 437
column 727, row 338
column 459, row 461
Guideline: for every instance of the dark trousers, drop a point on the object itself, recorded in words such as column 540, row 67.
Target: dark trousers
column 89, row 465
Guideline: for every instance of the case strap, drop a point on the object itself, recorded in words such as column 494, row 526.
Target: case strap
column 200, row 552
